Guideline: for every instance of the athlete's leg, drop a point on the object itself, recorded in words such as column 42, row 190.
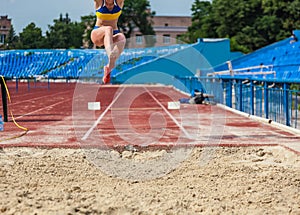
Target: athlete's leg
column 103, row 36
column 113, row 44
column 119, row 42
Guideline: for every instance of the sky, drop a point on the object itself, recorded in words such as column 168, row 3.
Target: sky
column 43, row 12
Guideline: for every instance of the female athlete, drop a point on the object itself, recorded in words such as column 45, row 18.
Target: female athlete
column 106, row 32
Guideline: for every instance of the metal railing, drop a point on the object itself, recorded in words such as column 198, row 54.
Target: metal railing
column 267, row 98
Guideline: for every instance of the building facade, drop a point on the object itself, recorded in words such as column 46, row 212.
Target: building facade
column 5, row 26
column 167, row 31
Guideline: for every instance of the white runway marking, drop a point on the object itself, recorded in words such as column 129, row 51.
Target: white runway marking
column 38, row 110
column 170, row 115
column 88, row 133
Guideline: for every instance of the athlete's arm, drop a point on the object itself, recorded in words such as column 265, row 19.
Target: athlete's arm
column 97, row 3
column 120, row 3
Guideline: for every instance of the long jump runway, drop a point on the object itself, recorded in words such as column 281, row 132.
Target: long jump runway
column 129, row 116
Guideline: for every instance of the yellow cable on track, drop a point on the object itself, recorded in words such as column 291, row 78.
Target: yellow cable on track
column 12, row 116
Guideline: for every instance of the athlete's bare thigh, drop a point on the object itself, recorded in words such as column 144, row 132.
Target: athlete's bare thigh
column 97, row 36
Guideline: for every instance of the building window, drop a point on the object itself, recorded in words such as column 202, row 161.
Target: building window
column 166, row 24
column 139, row 39
column 166, row 39
column 2, row 39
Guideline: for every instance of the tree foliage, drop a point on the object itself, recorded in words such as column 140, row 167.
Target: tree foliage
column 11, row 42
column 250, row 24
column 136, row 13
column 31, row 37
column 88, row 22
column 65, row 34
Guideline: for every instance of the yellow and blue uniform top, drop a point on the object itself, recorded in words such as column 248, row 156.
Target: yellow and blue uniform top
column 105, row 14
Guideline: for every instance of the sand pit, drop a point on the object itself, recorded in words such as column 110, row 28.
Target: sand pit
column 262, row 180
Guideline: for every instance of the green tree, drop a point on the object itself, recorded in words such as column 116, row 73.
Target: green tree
column 202, row 24
column 88, row 22
column 137, row 14
column 250, row 24
column 65, row 34
column 31, row 38
column 11, row 42
column 237, row 21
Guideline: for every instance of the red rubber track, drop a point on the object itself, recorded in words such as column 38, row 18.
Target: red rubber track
column 129, row 115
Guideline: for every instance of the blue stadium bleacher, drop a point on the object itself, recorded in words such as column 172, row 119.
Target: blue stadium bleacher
column 135, row 57
column 48, row 63
column 282, row 58
column 73, row 63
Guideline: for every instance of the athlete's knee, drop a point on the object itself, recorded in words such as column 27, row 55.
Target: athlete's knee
column 97, row 38
column 119, row 39
column 94, row 38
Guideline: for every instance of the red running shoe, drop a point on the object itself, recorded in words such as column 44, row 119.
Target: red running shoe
column 106, row 77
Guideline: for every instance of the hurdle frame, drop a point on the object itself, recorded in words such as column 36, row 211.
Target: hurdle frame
column 4, row 98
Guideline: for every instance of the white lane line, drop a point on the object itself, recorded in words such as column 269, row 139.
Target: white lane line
column 35, row 98
column 88, row 133
column 38, row 110
column 170, row 115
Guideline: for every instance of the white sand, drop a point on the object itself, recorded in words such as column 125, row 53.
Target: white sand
column 262, row 180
